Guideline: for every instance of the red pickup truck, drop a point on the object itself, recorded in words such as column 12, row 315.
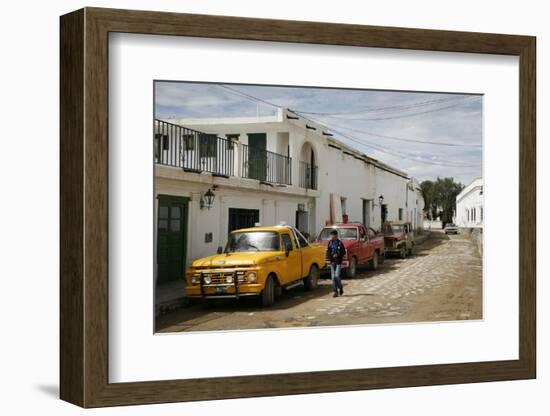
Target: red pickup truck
column 363, row 245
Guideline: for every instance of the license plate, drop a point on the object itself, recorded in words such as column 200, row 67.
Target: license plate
column 221, row 289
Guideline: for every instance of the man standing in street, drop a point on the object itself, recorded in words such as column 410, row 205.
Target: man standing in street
column 335, row 254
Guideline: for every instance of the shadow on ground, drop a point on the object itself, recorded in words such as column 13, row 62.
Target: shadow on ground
column 198, row 309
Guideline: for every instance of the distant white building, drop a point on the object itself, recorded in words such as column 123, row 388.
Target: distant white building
column 216, row 175
column 469, row 205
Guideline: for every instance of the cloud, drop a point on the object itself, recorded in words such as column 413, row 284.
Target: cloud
column 363, row 111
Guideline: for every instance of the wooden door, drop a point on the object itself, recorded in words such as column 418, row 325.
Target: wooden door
column 257, row 156
column 171, row 237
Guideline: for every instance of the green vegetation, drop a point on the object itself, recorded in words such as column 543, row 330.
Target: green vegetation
column 440, row 198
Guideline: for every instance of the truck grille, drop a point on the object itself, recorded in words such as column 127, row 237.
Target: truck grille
column 389, row 242
column 220, row 277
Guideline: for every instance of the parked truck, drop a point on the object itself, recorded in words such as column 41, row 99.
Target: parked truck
column 364, row 246
column 259, row 261
column 399, row 238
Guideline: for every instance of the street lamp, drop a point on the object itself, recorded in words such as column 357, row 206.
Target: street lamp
column 207, row 200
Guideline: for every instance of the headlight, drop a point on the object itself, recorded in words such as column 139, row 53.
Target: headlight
column 207, row 280
column 251, row 277
column 229, row 279
column 195, row 279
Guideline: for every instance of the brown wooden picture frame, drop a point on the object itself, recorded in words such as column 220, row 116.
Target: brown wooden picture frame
column 84, row 207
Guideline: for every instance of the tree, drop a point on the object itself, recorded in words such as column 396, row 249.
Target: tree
column 440, row 198
column 430, row 200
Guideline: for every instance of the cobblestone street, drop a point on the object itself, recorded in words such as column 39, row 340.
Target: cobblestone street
column 441, row 281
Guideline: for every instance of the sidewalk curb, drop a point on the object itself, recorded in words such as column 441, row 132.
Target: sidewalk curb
column 171, row 305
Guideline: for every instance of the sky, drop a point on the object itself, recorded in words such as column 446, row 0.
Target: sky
column 391, row 126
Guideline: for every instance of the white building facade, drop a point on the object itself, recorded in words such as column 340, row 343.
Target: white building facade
column 216, row 175
column 469, row 205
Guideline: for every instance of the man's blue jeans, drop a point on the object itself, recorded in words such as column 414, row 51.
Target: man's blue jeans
column 335, row 270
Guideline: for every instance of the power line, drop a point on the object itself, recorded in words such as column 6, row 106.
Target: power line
column 386, row 108
column 395, row 153
column 404, row 156
column 359, row 141
column 243, row 94
column 402, row 139
column 392, row 117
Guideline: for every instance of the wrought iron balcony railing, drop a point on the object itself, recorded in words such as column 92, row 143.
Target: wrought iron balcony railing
column 192, row 150
column 196, row 151
column 308, row 176
column 266, row 166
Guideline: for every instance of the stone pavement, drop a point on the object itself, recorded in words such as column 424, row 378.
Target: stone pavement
column 441, row 281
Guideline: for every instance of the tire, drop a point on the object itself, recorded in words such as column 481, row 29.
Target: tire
column 410, row 252
column 403, row 252
column 351, row 271
column 312, row 279
column 381, row 258
column 268, row 294
column 373, row 263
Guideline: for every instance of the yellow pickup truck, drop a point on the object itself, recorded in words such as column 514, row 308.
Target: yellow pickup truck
column 259, row 261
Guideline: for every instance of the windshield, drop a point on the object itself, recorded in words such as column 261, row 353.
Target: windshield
column 343, row 233
column 393, row 228
column 253, row 241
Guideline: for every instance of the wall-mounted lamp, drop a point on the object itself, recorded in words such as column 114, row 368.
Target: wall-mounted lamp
column 381, row 199
column 207, row 200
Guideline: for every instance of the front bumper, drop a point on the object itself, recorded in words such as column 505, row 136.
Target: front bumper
column 223, row 290
column 393, row 250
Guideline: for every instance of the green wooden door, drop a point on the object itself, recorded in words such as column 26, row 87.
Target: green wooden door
column 171, row 237
column 257, row 156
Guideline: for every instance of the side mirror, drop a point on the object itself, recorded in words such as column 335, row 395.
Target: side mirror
column 220, row 250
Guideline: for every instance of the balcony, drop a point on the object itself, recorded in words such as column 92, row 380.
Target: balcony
column 196, row 151
column 192, row 150
column 308, row 176
column 266, row 166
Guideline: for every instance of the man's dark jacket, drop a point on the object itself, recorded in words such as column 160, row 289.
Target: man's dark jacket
column 335, row 247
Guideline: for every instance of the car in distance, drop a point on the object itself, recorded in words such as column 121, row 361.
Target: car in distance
column 451, row 229
column 398, row 238
column 259, row 261
column 363, row 245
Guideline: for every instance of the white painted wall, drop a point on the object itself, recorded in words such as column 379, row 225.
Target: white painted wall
column 340, row 173
column 469, row 205
column 273, row 208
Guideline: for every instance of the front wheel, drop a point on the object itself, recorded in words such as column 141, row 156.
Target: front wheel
column 351, row 271
column 310, row 282
column 268, row 294
column 402, row 252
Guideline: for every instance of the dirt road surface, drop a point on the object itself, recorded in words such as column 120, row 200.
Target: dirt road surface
column 442, row 281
